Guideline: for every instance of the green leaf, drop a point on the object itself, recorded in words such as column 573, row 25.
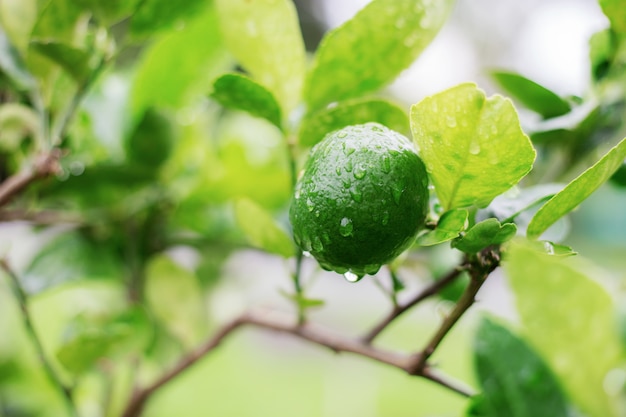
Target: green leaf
column 67, row 258
column 523, row 387
column 179, row 66
column 13, row 66
column 577, row 190
column 486, row 233
column 472, row 146
column 57, row 21
column 449, row 226
column 261, row 229
column 158, row 15
column 239, row 92
column 108, row 12
column 616, row 12
column 17, row 18
column 372, row 48
column 303, row 301
column 532, row 95
column 264, row 36
column 351, row 112
column 73, row 60
column 508, row 206
column 18, row 121
column 569, row 318
column 174, row 296
column 82, row 351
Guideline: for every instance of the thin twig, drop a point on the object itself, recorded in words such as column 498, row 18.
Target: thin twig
column 427, row 292
column 43, row 217
column 279, row 322
column 45, row 165
column 22, row 300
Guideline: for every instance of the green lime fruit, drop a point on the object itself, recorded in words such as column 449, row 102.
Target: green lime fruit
column 361, row 199
column 152, row 140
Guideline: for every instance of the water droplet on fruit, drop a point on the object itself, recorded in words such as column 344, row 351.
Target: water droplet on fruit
column 385, row 218
column 396, row 192
column 346, row 183
column 345, row 227
column 386, row 165
column 310, row 204
column 451, row 121
column 342, row 134
column 298, row 190
column 347, row 149
column 359, row 171
column 317, row 244
column 338, row 169
column 325, row 238
column 474, row 147
column 351, row 276
column 317, row 213
column 348, row 166
column 357, row 196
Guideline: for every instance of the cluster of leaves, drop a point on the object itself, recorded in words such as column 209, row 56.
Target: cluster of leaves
column 144, row 174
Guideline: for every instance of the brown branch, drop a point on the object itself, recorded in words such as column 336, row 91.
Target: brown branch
column 43, row 217
column 479, row 269
column 279, row 322
column 44, row 165
column 427, row 292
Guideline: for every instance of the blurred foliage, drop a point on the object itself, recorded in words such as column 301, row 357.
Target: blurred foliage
column 182, row 126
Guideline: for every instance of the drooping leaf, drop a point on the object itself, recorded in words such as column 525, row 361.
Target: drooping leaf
column 174, row 296
column 516, row 382
column 569, row 318
column 486, row 233
column 265, row 37
column 316, row 125
column 472, row 146
column 449, row 226
column 261, row 229
column 73, row 60
column 577, row 190
column 616, row 12
column 372, row 48
column 17, row 18
column 239, row 92
column 179, row 66
column 70, row 257
column 13, row 66
column 158, row 15
column 532, row 95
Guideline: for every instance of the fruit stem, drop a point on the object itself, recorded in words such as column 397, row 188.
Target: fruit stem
column 22, row 300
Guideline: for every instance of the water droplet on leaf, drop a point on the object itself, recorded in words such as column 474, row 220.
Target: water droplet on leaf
column 451, row 121
column 474, row 147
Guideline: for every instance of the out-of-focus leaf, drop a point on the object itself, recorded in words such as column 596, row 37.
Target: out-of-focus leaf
column 151, row 141
column 302, row 301
column 351, row 112
column 57, row 21
column 473, row 147
column 16, row 122
column 486, row 233
column 477, row 407
column 109, row 12
column 70, row 257
column 12, row 65
column 577, row 190
column 175, row 298
column 158, row 15
column 17, row 18
column 532, row 95
column 372, row 48
column 601, row 49
column 262, row 230
column 264, row 36
column 449, row 226
column 520, row 387
column 239, row 92
column 616, row 12
column 508, row 206
column 80, row 353
column 570, row 319
column 73, row 60
column 179, row 66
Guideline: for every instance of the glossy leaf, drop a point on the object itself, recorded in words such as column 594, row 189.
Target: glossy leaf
column 159, row 15
column 179, row 66
column 264, row 36
column 372, row 48
column 449, row 226
column 351, row 112
column 616, row 12
column 577, row 191
column 67, row 258
column 17, row 18
column 175, row 298
column 520, row 387
column 569, row 318
column 13, row 66
column 486, row 233
column 473, row 146
column 261, row 229
column 73, row 60
column 239, row 92
column 532, row 95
